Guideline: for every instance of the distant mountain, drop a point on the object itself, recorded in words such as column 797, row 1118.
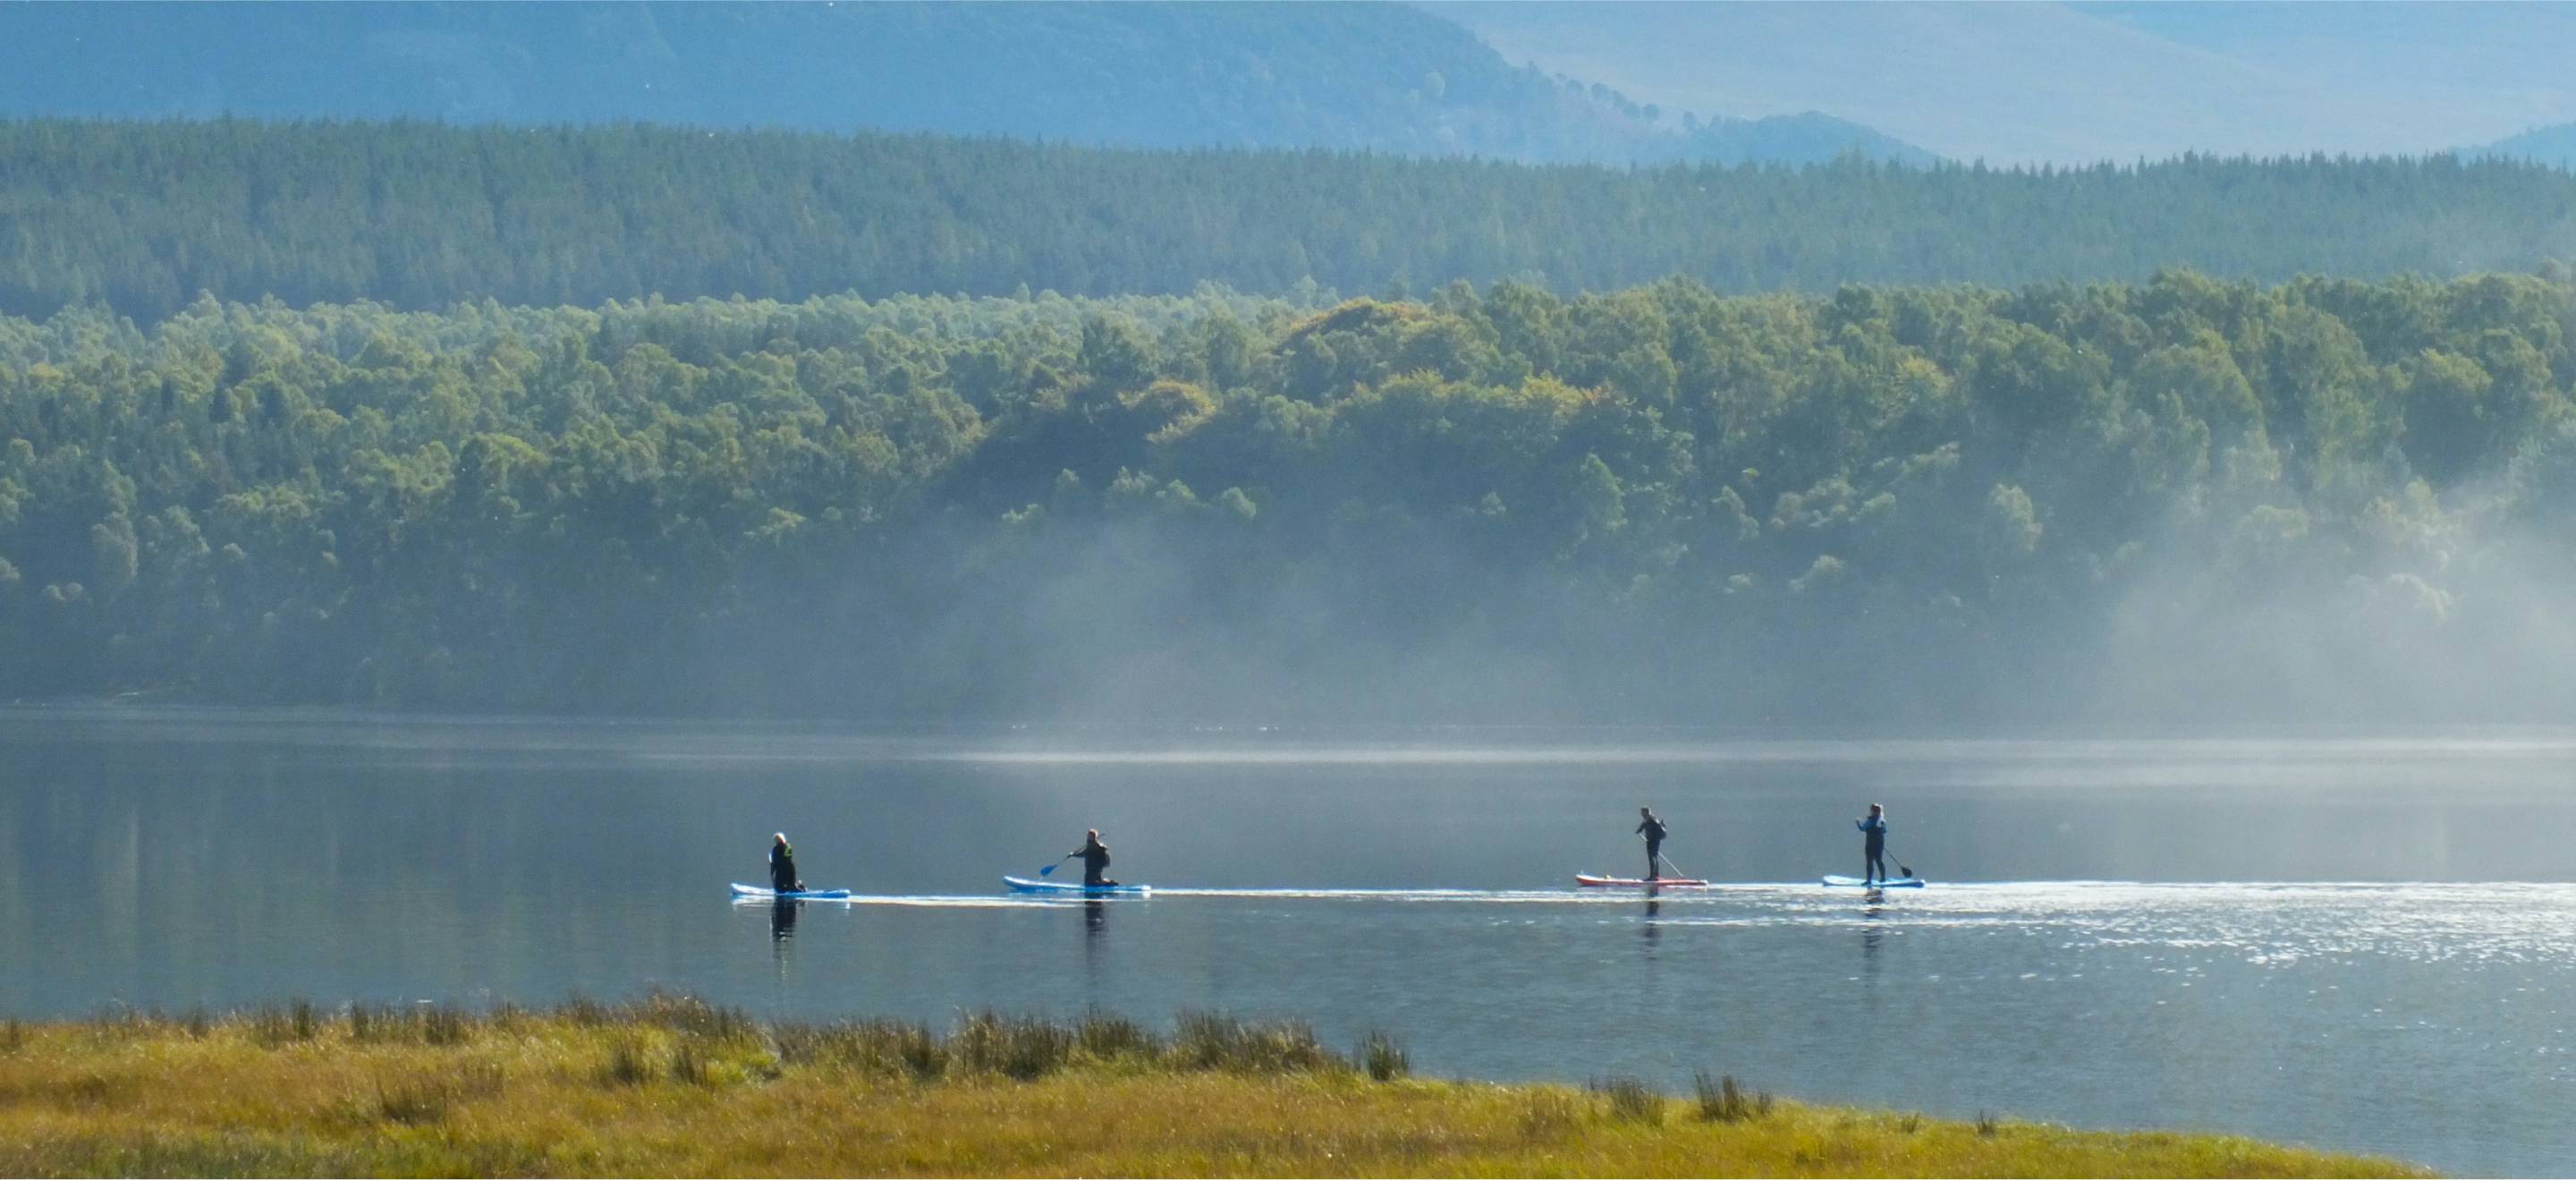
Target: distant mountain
column 2555, row 146
column 2076, row 83
column 1379, row 77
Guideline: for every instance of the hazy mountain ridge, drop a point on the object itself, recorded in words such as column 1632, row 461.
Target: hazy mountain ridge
column 2076, row 83
column 2555, row 146
column 1378, row 77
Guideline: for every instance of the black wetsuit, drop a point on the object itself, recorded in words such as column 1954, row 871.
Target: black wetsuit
column 1095, row 864
column 782, row 869
column 1653, row 830
column 1873, row 847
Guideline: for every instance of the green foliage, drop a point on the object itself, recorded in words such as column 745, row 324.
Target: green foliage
column 1652, row 503
column 144, row 217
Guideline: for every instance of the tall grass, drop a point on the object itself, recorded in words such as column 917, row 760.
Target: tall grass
column 1214, row 1040
column 1724, row 1100
column 688, row 1039
column 883, row 1048
column 1383, row 1058
column 1021, row 1047
column 421, row 1098
column 412, row 1024
column 1106, row 1037
column 1630, row 1100
column 293, row 1024
column 671, row 1085
column 629, row 1063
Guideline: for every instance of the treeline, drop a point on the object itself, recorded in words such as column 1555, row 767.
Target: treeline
column 145, row 216
column 1661, row 503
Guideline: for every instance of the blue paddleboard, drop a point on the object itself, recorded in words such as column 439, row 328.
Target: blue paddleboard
column 742, row 890
column 1032, row 885
column 1857, row 883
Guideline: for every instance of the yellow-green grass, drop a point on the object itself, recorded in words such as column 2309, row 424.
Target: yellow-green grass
column 674, row 1087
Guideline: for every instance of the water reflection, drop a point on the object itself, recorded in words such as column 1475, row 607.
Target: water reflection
column 782, row 919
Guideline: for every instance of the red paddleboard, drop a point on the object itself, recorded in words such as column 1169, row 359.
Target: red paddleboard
column 1587, row 879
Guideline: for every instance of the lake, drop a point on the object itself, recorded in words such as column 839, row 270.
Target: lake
column 2362, row 942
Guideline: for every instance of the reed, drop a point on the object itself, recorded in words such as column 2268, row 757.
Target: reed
column 1724, row 1100
column 1023, row 1048
column 1630, row 1100
column 412, row 1024
column 629, row 1063
column 1383, row 1058
column 423, row 1097
column 1107, row 1037
column 1215, row 1040
column 275, row 1027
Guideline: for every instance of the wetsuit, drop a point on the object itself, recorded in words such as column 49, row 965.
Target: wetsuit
column 1653, row 830
column 1095, row 863
column 1873, row 847
column 782, row 869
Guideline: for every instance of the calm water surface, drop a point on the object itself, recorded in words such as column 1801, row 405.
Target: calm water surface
column 2357, row 942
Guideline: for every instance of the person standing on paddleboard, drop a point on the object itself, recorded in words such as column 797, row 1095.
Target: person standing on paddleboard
column 1095, row 861
column 1873, row 830
column 782, row 867
column 1653, row 830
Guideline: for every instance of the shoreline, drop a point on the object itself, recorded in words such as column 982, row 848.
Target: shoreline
column 672, row 1086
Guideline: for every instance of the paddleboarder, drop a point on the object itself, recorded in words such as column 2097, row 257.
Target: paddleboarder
column 1653, row 830
column 782, row 866
column 1095, row 861
column 1873, row 830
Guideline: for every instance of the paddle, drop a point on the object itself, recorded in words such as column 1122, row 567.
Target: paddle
column 1042, row 873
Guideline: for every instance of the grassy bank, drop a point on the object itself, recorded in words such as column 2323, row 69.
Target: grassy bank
column 672, row 1086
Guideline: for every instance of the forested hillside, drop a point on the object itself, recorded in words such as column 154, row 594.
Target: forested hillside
column 145, row 216
column 2554, row 146
column 2331, row 497
column 1352, row 76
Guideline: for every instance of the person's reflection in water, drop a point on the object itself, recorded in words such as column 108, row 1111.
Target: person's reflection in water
column 1095, row 917
column 1654, row 930
column 782, row 942
column 1873, row 911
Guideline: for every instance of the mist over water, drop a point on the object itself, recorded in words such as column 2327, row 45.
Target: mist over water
column 2357, row 941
